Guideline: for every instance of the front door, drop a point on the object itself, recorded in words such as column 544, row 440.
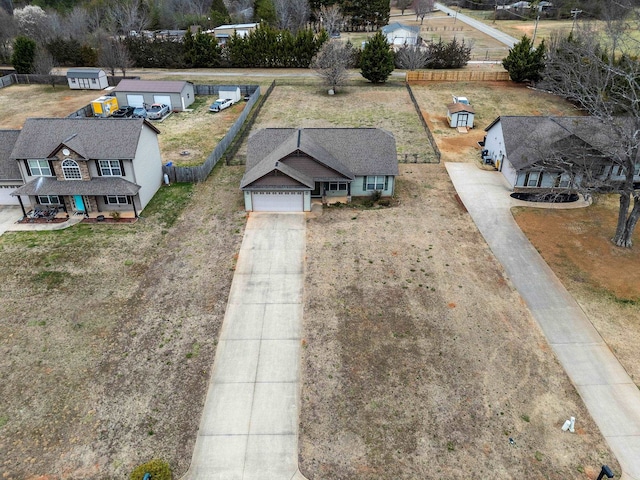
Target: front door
column 463, row 119
column 316, row 192
column 77, row 203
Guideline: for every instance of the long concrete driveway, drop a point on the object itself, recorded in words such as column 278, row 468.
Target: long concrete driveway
column 508, row 40
column 611, row 397
column 249, row 425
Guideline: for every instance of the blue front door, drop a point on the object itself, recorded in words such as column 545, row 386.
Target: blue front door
column 77, row 199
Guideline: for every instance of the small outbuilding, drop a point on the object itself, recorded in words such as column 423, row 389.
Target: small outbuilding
column 87, row 79
column 398, row 34
column 460, row 115
column 178, row 95
column 224, row 32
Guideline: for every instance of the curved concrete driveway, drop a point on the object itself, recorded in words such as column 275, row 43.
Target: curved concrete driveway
column 249, row 425
column 508, row 40
column 613, row 400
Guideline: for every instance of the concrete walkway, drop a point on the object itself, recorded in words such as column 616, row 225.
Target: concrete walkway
column 502, row 37
column 249, row 425
column 612, row 399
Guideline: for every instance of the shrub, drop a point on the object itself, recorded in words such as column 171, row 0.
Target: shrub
column 384, row 202
column 115, row 215
column 159, row 470
column 375, row 196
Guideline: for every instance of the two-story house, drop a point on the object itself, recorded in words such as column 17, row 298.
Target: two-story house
column 88, row 165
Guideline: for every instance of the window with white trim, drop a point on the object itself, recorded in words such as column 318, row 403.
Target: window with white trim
column 116, row 199
column 533, row 179
column 374, row 182
column 39, row 168
column 71, row 170
column 48, row 200
column 110, row 168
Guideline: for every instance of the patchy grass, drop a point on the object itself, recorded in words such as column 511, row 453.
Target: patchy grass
column 196, row 132
column 105, row 327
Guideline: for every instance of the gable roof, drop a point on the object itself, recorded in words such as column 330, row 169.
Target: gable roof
column 460, row 107
column 150, row 86
column 347, row 151
column 525, row 137
column 392, row 27
column 96, row 138
column 9, row 169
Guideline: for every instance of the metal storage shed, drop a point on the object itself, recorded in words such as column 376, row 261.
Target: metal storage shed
column 138, row 93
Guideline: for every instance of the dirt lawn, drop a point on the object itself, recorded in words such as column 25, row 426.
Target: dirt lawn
column 19, row 102
column 604, row 279
column 489, row 100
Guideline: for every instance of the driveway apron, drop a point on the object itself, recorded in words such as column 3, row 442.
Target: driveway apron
column 611, row 397
column 249, row 425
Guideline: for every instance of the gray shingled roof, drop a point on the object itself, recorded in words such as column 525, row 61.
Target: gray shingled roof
column 264, row 168
column 350, row 151
column 9, row 169
column 150, row 86
column 526, row 138
column 93, row 138
column 84, row 72
column 95, row 186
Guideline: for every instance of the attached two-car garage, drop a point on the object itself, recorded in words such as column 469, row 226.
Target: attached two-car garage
column 275, row 201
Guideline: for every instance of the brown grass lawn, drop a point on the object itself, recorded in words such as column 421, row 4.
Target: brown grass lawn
column 19, row 102
column 603, row 278
column 489, row 100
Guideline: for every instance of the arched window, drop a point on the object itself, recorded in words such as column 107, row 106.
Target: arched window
column 71, row 170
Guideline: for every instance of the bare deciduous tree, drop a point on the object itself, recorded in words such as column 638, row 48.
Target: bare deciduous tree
column 292, row 15
column 403, row 5
column 8, row 30
column 411, row 57
column 128, row 16
column 422, row 8
column 331, row 63
column 607, row 87
column 114, row 56
column 330, row 18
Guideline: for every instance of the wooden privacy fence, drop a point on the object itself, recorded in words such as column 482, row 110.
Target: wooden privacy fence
column 199, row 173
column 456, row 76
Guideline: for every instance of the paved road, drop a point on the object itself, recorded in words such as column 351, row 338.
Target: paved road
column 611, row 397
column 249, row 426
column 508, row 40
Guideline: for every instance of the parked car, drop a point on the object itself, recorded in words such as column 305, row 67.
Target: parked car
column 157, row 111
column 123, row 112
column 139, row 112
column 220, row 104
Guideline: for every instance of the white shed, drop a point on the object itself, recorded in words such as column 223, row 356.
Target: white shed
column 87, row 79
column 460, row 115
column 399, row 34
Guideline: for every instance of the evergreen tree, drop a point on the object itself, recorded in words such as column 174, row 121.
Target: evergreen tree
column 525, row 62
column 265, row 11
column 219, row 14
column 376, row 60
column 24, row 54
column 201, row 50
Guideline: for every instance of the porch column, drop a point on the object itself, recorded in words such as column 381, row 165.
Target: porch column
column 135, row 210
column 24, row 214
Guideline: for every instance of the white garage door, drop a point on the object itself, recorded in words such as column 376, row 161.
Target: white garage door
column 5, row 196
column 166, row 99
column 135, row 100
column 277, row 201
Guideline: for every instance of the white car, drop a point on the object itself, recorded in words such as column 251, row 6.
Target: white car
column 220, row 104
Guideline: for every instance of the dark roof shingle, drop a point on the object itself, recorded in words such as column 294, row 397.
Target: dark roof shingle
column 9, row 169
column 90, row 137
column 95, row 186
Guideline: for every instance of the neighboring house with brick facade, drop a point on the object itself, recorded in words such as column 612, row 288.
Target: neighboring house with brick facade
column 88, row 165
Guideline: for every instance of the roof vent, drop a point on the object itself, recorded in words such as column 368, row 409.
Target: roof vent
column 276, row 164
column 299, row 135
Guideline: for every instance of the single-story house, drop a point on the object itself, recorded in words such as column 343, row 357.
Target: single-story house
column 287, row 167
column 87, row 79
column 520, row 146
column 138, row 93
column 10, row 177
column 88, row 165
column 398, row 34
column 460, row 115
column 224, row 32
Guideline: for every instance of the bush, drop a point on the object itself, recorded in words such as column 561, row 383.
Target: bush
column 375, row 196
column 159, row 470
